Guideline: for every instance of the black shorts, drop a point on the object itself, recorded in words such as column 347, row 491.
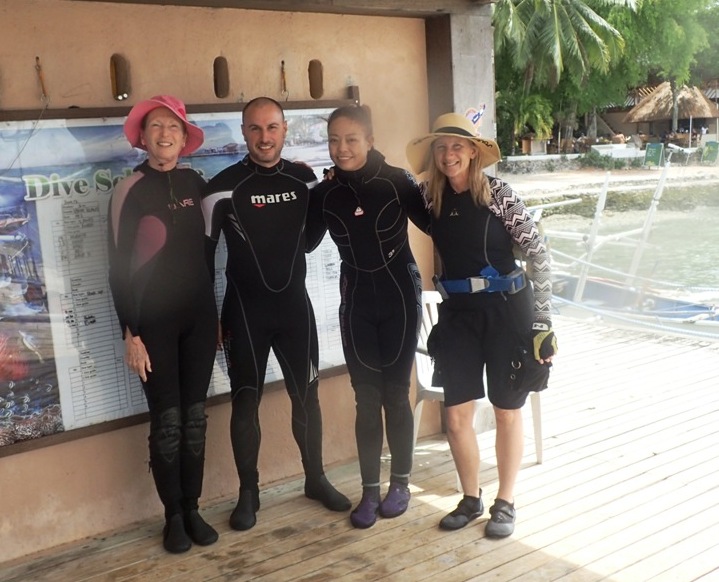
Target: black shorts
column 479, row 333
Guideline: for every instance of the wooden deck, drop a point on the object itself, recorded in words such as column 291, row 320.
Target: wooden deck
column 628, row 491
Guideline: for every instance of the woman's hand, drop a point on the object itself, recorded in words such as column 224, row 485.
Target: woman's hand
column 545, row 342
column 136, row 356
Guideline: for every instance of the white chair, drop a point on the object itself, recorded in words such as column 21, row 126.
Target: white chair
column 483, row 412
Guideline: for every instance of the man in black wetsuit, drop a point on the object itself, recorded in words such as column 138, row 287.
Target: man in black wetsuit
column 260, row 204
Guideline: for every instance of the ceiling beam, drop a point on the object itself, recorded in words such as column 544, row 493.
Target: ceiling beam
column 408, row 8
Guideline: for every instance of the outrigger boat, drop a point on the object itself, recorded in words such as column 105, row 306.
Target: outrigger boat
column 610, row 300
column 624, row 298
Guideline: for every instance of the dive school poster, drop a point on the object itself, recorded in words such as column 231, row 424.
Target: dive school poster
column 61, row 352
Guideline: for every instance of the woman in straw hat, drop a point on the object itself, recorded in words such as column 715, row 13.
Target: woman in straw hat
column 365, row 207
column 489, row 305
column 164, row 300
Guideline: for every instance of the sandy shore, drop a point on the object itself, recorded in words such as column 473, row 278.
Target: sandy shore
column 587, row 181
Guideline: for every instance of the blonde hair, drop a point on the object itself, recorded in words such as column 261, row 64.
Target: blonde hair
column 437, row 181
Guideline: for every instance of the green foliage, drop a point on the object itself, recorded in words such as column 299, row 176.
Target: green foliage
column 536, row 41
column 586, row 55
column 706, row 65
column 545, row 38
column 665, row 36
column 593, row 159
column 673, row 198
column 521, row 114
column 534, row 114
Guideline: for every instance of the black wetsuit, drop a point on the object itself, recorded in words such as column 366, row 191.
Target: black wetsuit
column 262, row 213
column 482, row 330
column 162, row 291
column 366, row 214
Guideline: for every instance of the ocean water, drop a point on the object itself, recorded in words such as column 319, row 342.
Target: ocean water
column 682, row 251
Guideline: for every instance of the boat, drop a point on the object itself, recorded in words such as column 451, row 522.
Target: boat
column 636, row 306
column 625, row 298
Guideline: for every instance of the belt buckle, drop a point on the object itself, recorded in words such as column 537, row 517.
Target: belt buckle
column 518, row 283
column 477, row 284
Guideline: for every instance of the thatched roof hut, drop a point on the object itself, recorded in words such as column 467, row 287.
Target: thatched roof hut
column 657, row 106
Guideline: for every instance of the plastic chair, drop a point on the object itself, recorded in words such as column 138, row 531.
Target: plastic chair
column 423, row 363
column 483, row 412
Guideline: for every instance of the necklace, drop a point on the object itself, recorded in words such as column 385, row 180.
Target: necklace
column 358, row 211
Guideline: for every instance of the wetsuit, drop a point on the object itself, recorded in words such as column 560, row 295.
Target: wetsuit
column 479, row 330
column 366, row 214
column 163, row 293
column 262, row 213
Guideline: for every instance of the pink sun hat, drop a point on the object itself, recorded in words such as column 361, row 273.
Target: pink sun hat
column 133, row 123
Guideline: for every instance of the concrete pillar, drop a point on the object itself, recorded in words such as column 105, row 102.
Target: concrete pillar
column 460, row 65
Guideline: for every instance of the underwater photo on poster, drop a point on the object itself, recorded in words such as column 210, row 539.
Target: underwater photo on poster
column 29, row 395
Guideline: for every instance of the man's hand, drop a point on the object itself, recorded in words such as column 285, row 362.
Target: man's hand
column 136, row 356
column 544, row 342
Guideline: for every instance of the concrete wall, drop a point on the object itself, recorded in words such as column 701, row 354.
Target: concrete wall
column 84, row 487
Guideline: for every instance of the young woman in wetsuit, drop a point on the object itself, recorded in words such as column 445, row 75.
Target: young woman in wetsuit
column 365, row 207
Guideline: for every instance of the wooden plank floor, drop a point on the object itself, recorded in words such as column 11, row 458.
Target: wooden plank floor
column 628, row 491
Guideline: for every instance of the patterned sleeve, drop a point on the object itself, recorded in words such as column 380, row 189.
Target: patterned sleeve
column 507, row 206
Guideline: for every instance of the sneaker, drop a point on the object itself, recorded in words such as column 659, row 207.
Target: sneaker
column 501, row 524
column 396, row 501
column 200, row 532
column 321, row 490
column 365, row 514
column 468, row 509
column 174, row 537
column 243, row 516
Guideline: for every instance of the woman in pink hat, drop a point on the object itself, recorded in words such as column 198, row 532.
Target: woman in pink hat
column 165, row 303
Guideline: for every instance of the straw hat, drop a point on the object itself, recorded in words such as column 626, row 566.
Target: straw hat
column 133, row 123
column 452, row 125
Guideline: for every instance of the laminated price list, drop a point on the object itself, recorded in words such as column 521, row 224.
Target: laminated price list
column 99, row 385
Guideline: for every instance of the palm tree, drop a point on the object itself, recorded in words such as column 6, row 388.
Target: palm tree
column 527, row 111
column 547, row 37
column 544, row 38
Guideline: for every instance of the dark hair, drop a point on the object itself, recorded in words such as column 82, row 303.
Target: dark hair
column 359, row 113
column 263, row 101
